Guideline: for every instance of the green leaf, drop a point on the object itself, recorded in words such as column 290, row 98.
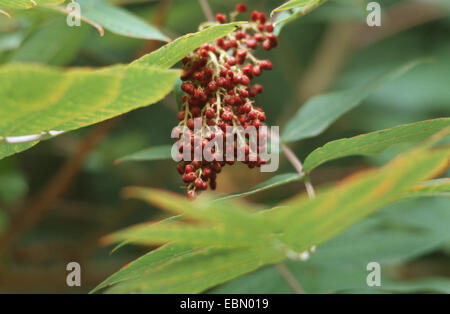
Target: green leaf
column 68, row 100
column 321, row 111
column 168, row 55
column 438, row 187
column 26, row 4
column 161, row 256
column 336, row 209
column 187, row 234
column 118, row 20
column 198, row 271
column 66, row 43
column 295, row 4
column 396, row 234
column 374, row 143
column 440, row 285
column 297, row 9
column 237, row 216
column 273, row 182
column 153, row 153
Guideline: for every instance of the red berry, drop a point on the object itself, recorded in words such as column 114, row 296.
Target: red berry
column 245, row 80
column 188, row 88
column 188, row 169
column 257, row 123
column 244, row 93
column 227, row 116
column 259, row 37
column 242, row 53
column 198, row 183
column 210, row 113
column 269, row 28
column 267, row 45
column 180, row 168
column 229, row 100
column 232, row 61
column 254, row 16
column 257, row 70
column 266, row 65
column 222, row 81
column 262, row 116
column 251, row 43
column 258, row 88
column 262, row 17
column 189, row 177
column 221, row 18
column 181, row 115
column 198, row 76
column 241, row 8
column 240, row 35
column 212, row 86
column 206, row 171
column 190, row 124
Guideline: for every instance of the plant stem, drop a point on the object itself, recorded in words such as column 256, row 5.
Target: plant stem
column 207, row 10
column 289, row 278
column 299, row 167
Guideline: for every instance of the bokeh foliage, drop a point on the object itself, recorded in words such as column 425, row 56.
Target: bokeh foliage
column 410, row 238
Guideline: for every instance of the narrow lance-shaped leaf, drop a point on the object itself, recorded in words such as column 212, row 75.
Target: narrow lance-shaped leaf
column 373, row 143
column 188, row 234
column 321, row 111
column 197, row 272
column 119, row 21
column 66, row 43
column 333, row 211
column 238, row 216
column 276, row 181
column 26, row 4
column 39, row 101
column 295, row 4
column 162, row 152
column 168, row 55
column 161, row 256
column 297, row 9
column 438, row 187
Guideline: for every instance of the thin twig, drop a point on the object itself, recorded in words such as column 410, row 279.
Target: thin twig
column 299, row 167
column 289, row 278
column 206, row 10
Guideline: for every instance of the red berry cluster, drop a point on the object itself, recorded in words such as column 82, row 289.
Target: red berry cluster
column 218, row 85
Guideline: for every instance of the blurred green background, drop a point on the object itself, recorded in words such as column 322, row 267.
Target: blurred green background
column 331, row 48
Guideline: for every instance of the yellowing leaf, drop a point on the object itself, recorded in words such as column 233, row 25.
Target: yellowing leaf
column 375, row 142
column 38, row 99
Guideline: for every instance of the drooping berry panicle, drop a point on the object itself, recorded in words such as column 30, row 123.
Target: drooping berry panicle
column 217, row 79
